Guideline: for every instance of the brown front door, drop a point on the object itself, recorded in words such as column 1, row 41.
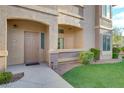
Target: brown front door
column 31, row 47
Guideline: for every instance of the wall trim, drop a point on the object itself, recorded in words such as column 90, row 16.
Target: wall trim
column 39, row 9
column 3, row 53
column 102, row 27
column 53, row 51
column 69, row 50
column 65, row 50
column 80, row 6
column 70, row 14
column 67, row 59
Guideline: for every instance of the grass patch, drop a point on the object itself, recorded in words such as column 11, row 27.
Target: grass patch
column 96, row 76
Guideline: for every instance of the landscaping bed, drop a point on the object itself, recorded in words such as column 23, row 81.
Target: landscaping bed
column 7, row 77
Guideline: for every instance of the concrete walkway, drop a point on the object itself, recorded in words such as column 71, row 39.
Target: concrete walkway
column 37, row 76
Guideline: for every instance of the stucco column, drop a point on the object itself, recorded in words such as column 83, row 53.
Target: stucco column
column 97, row 38
column 3, row 40
column 53, row 44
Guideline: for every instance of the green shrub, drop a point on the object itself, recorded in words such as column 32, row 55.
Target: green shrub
column 5, row 77
column 116, row 52
column 86, row 57
column 122, row 49
column 115, row 55
column 96, row 53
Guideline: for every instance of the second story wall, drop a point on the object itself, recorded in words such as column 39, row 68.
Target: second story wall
column 71, row 9
column 101, row 20
column 67, row 14
column 71, row 15
column 47, row 9
column 89, row 27
column 103, row 30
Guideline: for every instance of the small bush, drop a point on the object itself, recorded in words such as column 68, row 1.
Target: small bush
column 122, row 49
column 116, row 52
column 5, row 77
column 115, row 55
column 86, row 57
column 96, row 53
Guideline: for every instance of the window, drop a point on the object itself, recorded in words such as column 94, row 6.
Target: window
column 61, row 39
column 42, row 40
column 104, row 13
column 61, row 43
column 106, row 10
column 61, row 31
column 106, row 42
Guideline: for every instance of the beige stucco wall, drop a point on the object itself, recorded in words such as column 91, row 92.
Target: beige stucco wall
column 72, row 37
column 69, row 20
column 89, row 27
column 15, row 46
column 70, row 15
column 14, row 12
column 51, row 7
column 52, row 16
column 102, row 25
column 72, row 10
column 3, row 40
column 16, row 40
column 17, row 12
column 79, row 42
column 41, row 14
column 72, row 18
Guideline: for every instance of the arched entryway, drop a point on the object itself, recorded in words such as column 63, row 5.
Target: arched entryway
column 27, row 41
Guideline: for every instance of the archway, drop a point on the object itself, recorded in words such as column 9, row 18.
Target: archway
column 27, row 41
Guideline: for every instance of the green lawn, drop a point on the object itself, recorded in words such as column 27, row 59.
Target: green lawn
column 96, row 76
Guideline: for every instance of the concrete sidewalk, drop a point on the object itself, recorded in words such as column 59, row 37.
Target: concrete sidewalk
column 37, row 76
